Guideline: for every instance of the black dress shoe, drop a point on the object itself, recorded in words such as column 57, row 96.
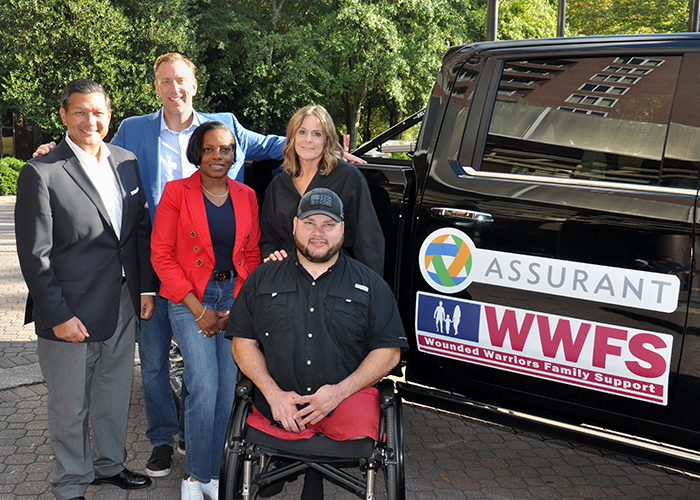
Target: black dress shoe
column 126, row 480
column 78, row 498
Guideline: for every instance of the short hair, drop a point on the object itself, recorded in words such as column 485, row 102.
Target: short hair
column 83, row 86
column 194, row 147
column 172, row 57
column 331, row 149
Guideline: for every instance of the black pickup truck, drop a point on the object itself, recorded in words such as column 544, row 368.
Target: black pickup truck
column 541, row 239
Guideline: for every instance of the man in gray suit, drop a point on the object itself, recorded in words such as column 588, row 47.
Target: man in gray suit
column 83, row 228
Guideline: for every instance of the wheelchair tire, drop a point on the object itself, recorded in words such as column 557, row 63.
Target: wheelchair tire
column 394, row 469
column 232, row 458
column 176, row 368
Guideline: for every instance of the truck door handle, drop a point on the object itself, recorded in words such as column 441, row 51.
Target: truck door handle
column 464, row 217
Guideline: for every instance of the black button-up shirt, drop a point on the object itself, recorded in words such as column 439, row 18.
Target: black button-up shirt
column 315, row 332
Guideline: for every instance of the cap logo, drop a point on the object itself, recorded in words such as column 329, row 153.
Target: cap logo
column 322, row 199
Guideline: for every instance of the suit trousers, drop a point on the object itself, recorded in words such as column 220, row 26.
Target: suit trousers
column 89, row 380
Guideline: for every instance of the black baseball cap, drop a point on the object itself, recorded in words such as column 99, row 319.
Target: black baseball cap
column 321, row 201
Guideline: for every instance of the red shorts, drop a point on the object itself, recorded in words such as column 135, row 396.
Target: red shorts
column 356, row 416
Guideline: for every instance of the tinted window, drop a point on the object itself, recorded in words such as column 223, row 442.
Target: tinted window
column 456, row 86
column 584, row 118
column 682, row 156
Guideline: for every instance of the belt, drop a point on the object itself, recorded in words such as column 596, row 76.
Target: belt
column 222, row 275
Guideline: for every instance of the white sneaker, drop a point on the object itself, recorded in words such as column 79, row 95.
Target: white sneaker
column 211, row 489
column 191, row 490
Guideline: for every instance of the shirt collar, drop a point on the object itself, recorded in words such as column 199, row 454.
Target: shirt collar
column 83, row 157
column 164, row 126
column 330, row 270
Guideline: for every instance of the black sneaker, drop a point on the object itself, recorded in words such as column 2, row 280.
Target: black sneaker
column 181, row 447
column 160, row 462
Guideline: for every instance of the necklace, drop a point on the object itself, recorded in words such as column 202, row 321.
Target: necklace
column 217, row 195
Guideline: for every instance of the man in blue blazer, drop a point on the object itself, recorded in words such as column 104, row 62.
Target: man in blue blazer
column 83, row 233
column 155, row 138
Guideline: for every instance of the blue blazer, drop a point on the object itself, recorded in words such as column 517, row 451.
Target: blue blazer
column 140, row 135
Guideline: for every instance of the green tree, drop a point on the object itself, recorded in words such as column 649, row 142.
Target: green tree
column 267, row 58
column 613, row 17
column 520, row 19
column 426, row 30
column 45, row 44
column 383, row 57
column 260, row 58
column 364, row 48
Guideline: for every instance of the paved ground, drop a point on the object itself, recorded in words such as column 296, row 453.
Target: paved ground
column 447, row 456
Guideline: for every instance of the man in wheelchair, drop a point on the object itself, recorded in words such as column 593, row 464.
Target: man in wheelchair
column 315, row 332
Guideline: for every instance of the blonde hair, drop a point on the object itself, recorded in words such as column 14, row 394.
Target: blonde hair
column 172, row 57
column 331, row 149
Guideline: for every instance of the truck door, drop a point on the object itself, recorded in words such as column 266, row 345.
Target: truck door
column 555, row 239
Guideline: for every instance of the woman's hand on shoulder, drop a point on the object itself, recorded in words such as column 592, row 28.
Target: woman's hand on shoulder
column 44, row 149
column 277, row 255
column 353, row 159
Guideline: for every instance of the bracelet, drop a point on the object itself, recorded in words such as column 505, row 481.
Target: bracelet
column 202, row 315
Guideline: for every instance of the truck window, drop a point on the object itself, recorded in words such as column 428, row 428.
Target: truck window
column 453, row 92
column 682, row 155
column 596, row 119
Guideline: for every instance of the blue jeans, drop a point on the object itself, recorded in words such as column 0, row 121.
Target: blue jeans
column 210, row 378
column 154, row 350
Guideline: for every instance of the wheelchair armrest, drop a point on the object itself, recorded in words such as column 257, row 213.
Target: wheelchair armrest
column 386, row 393
column 244, row 387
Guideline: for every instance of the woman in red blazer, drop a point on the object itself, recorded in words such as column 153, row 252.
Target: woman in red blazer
column 203, row 245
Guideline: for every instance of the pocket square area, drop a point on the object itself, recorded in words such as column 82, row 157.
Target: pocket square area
column 135, row 191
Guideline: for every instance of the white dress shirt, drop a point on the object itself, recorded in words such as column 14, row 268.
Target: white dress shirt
column 173, row 152
column 105, row 181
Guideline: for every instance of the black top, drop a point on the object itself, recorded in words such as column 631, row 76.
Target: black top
column 315, row 332
column 222, row 230
column 363, row 235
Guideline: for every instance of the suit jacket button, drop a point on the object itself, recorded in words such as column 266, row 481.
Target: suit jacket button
column 199, row 262
column 196, row 249
column 193, row 234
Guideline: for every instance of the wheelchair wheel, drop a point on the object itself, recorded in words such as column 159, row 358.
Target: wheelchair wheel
column 393, row 465
column 231, row 487
column 176, row 367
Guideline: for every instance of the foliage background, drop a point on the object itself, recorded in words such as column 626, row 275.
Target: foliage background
column 370, row 62
column 9, row 171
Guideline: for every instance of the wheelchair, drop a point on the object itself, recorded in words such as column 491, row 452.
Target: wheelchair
column 249, row 453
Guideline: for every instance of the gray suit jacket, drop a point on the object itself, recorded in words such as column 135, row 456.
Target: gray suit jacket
column 69, row 253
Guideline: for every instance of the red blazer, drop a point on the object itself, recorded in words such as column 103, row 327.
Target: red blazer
column 181, row 250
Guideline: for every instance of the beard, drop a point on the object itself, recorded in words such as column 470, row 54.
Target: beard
column 318, row 258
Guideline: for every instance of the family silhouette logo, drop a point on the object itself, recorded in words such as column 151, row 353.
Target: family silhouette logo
column 444, row 317
column 446, row 260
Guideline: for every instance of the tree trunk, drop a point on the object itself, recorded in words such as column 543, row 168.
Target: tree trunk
column 353, row 111
column 367, row 128
column 28, row 137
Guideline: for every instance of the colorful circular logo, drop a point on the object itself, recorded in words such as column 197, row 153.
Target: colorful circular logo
column 446, row 259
